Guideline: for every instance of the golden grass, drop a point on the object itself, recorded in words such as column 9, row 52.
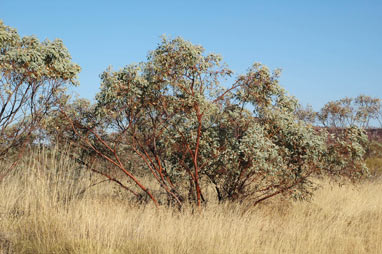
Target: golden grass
column 374, row 158
column 43, row 209
column 374, row 164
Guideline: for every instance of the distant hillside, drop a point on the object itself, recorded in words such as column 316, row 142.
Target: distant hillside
column 375, row 134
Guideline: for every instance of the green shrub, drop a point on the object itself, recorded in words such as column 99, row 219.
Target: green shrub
column 188, row 131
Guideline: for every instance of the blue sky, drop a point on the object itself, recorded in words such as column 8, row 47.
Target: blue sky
column 326, row 49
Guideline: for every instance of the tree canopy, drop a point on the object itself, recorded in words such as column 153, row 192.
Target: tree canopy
column 173, row 113
column 33, row 78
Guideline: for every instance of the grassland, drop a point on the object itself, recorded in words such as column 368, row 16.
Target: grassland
column 46, row 208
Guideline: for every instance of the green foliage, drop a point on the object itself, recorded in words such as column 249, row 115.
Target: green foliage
column 33, row 79
column 188, row 130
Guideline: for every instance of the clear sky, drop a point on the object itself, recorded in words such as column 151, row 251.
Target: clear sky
column 327, row 49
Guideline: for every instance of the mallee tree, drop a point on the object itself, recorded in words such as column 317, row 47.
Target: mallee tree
column 189, row 131
column 33, row 78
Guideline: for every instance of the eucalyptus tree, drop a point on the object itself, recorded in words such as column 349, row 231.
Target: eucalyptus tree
column 189, row 131
column 379, row 112
column 33, row 78
column 337, row 114
column 367, row 109
column 347, row 112
column 306, row 114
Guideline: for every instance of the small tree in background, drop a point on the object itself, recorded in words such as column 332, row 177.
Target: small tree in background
column 349, row 112
column 306, row 114
column 367, row 109
column 33, row 79
column 379, row 112
column 336, row 114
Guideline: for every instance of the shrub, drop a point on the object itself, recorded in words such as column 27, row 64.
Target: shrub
column 172, row 113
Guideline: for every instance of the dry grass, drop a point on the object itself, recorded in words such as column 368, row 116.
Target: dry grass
column 374, row 165
column 374, row 158
column 43, row 209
